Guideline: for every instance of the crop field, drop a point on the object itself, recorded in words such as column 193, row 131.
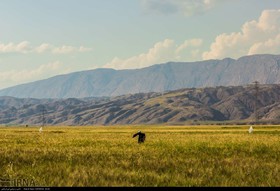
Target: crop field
column 171, row 156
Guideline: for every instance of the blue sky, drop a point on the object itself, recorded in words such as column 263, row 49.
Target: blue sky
column 43, row 38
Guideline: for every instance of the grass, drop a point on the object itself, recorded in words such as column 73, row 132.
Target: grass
column 171, row 156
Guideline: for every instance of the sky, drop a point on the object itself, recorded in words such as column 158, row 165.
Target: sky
column 44, row 38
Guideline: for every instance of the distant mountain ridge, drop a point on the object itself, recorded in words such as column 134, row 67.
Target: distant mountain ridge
column 221, row 103
column 157, row 78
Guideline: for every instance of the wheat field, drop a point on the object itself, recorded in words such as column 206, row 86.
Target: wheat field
column 108, row 156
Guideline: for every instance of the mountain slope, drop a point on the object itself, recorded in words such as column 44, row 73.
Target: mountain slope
column 157, row 78
column 180, row 106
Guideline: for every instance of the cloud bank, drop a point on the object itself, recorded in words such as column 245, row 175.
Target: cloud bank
column 161, row 52
column 26, row 47
column 22, row 47
column 256, row 37
column 260, row 36
column 22, row 76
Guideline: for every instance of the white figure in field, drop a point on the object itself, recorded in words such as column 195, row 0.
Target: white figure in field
column 41, row 129
column 251, row 129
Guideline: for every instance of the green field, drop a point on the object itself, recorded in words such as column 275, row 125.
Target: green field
column 171, row 156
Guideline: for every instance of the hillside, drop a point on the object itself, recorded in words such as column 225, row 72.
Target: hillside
column 157, row 78
column 180, row 106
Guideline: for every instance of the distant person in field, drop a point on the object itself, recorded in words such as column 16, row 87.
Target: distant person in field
column 251, row 129
column 141, row 136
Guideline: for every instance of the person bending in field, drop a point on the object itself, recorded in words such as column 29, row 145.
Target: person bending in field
column 141, row 136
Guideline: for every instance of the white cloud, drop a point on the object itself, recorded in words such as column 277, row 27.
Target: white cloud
column 256, row 37
column 161, row 52
column 43, row 48
column 69, row 49
column 64, row 50
column 84, row 49
column 185, row 7
column 26, row 47
column 189, row 43
column 22, row 47
column 12, row 77
column 271, row 46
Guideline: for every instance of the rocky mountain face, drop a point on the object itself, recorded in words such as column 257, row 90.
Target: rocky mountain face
column 173, row 107
column 157, row 78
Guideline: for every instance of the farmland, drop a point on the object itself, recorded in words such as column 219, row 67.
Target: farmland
column 171, row 156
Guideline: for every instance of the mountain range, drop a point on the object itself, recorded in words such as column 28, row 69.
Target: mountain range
column 233, row 103
column 157, row 78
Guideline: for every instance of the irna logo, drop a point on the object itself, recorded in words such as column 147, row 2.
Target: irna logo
column 19, row 182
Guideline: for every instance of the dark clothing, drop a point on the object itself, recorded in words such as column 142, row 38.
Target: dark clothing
column 141, row 137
